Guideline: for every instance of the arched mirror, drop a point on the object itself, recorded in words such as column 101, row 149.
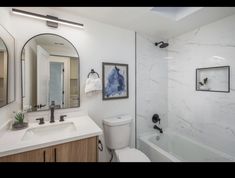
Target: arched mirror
column 3, row 73
column 7, row 67
column 50, row 73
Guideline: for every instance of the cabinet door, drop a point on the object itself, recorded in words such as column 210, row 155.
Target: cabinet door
column 39, row 155
column 84, row 150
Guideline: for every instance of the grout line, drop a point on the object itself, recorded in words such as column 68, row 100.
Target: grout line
column 135, row 93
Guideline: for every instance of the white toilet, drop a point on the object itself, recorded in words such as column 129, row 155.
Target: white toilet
column 117, row 132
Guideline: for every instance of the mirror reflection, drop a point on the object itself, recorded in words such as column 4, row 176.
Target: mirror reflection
column 3, row 73
column 7, row 67
column 50, row 73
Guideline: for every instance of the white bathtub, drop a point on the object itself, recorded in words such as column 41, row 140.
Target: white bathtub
column 172, row 147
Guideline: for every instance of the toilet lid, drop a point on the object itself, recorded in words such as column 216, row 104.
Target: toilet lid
column 132, row 155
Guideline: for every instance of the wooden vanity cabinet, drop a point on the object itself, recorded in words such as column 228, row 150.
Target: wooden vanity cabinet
column 79, row 151
column 85, row 150
column 39, row 155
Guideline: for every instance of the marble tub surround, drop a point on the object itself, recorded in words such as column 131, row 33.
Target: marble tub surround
column 204, row 116
column 12, row 142
column 151, row 88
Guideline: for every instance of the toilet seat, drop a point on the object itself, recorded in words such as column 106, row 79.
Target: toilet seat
column 131, row 155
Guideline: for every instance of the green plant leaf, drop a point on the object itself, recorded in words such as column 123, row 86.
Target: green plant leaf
column 19, row 117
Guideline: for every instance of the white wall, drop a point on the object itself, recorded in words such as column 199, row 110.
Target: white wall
column 97, row 43
column 151, row 85
column 205, row 116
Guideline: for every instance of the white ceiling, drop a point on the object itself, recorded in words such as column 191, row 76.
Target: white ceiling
column 56, row 45
column 175, row 13
column 51, row 40
column 151, row 23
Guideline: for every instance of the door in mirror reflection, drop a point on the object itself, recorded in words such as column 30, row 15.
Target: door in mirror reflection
column 56, row 88
column 50, row 72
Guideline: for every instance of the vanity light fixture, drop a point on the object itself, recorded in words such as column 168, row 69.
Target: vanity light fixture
column 48, row 18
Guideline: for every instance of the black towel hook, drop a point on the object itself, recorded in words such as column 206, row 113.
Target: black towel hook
column 93, row 72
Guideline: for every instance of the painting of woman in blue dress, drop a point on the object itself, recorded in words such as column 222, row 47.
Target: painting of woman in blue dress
column 115, row 81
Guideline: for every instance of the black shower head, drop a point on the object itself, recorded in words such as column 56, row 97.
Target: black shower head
column 162, row 44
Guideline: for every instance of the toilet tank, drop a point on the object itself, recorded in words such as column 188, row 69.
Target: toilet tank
column 117, row 131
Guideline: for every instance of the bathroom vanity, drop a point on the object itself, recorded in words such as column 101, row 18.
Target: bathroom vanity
column 73, row 140
column 50, row 80
column 84, row 150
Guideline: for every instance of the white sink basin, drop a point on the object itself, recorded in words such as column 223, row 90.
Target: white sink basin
column 53, row 130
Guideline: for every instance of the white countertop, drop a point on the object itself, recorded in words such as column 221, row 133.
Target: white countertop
column 11, row 141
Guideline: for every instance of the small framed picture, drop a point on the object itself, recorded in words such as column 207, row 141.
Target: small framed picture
column 115, row 81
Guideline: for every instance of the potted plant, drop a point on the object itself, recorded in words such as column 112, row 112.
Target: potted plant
column 19, row 121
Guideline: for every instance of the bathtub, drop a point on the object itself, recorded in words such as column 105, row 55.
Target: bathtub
column 172, row 147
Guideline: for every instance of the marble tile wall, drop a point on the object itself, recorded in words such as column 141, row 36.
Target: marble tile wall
column 151, row 85
column 208, row 117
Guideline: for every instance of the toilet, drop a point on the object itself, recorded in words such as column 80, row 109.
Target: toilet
column 117, row 132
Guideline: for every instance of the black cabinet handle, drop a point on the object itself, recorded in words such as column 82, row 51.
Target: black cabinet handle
column 100, row 145
column 44, row 156
column 55, row 154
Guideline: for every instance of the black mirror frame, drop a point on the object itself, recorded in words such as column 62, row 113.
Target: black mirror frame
column 79, row 100
column 8, row 66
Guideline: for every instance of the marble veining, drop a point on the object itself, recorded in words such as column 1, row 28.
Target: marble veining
column 177, row 81
column 204, row 116
column 186, row 105
column 197, row 31
column 166, row 85
column 211, row 44
column 151, row 85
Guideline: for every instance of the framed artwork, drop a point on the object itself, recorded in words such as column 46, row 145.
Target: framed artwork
column 213, row 79
column 115, row 81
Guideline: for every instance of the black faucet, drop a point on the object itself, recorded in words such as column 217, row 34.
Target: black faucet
column 52, row 108
column 156, row 127
column 41, row 120
column 156, row 119
column 62, row 118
